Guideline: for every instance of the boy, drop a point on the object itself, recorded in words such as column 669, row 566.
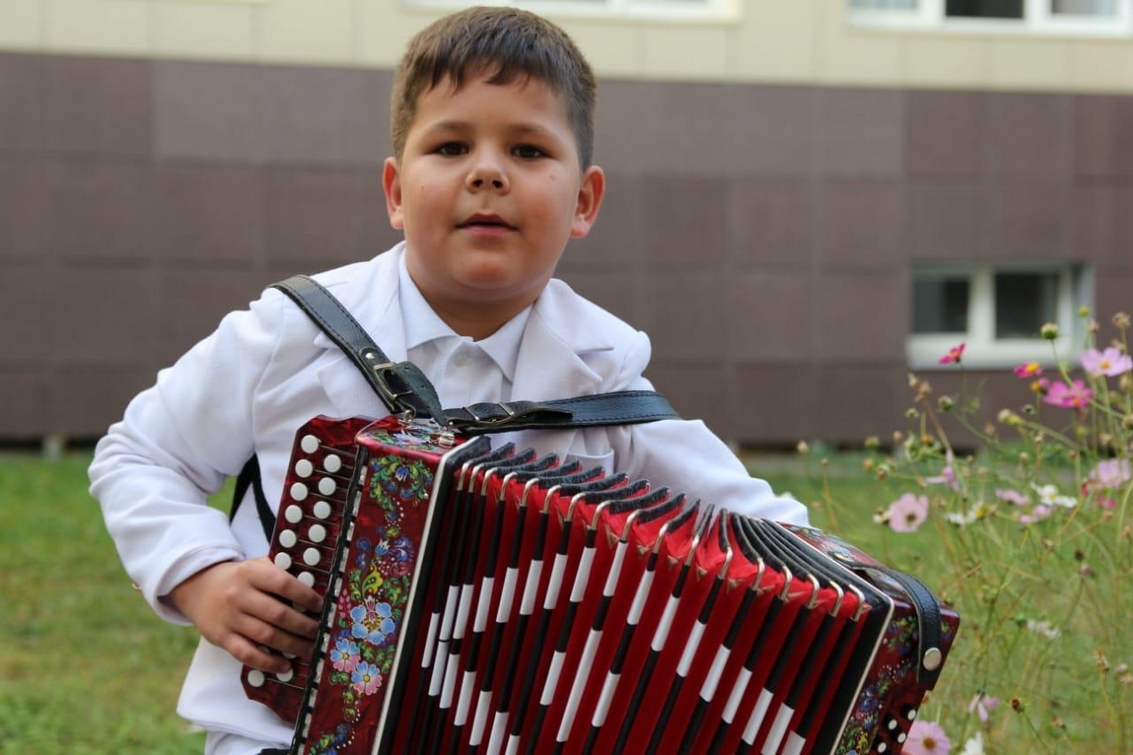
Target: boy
column 492, row 132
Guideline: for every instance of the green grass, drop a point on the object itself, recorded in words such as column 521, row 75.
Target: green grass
column 85, row 666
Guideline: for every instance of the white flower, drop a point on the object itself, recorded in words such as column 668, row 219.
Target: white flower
column 1043, row 629
column 1048, row 494
column 974, row 746
column 962, row 519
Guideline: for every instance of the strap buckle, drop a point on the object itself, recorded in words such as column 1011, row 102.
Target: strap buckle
column 510, row 414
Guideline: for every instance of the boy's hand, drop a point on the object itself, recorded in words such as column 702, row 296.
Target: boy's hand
column 242, row 606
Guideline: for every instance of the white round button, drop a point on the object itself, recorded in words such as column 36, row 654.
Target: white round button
column 293, row 514
column 283, row 561
column 255, row 678
column 288, row 538
column 332, row 463
column 327, row 486
column 304, row 468
column 298, row 491
column 309, row 444
column 307, row 578
column 317, row 533
column 321, row 510
column 311, row 556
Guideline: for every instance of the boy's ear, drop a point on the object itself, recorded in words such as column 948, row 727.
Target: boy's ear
column 391, row 184
column 590, row 193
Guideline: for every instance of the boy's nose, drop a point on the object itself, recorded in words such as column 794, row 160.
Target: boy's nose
column 487, row 175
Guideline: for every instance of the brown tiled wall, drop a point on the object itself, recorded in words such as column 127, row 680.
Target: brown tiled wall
column 763, row 235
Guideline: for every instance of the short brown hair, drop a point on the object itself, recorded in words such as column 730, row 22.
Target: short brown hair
column 506, row 43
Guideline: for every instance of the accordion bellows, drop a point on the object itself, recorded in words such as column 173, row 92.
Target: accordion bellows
column 493, row 601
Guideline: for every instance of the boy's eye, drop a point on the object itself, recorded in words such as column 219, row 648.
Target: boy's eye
column 451, row 149
column 528, row 151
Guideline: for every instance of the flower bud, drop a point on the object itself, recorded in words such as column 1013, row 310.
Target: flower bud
column 802, row 447
column 1121, row 320
column 1049, row 331
column 945, row 403
column 1083, row 311
column 872, row 442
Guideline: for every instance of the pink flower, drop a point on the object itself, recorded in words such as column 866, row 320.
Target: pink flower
column 1110, row 473
column 1012, row 496
column 982, row 705
column 953, row 355
column 1073, row 396
column 927, row 738
column 907, row 513
column 1029, row 370
column 947, row 475
column 1110, row 362
column 1042, row 511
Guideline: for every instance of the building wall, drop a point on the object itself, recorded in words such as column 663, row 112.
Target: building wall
column 161, row 161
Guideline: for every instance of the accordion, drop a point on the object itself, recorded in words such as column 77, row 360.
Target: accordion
column 495, row 601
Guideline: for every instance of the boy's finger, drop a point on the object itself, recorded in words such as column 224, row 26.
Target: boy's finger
column 269, row 578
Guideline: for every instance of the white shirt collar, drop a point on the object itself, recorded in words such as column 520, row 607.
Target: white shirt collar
column 423, row 325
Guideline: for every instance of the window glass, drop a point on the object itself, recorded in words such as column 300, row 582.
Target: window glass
column 1023, row 302
column 984, row 8
column 1084, row 7
column 940, row 305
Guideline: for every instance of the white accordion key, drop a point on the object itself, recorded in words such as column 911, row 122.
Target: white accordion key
column 283, row 561
column 288, row 538
column 327, row 486
column 256, row 678
column 307, row 578
column 332, row 463
column 293, row 514
column 321, row 510
column 299, row 491
column 304, row 468
column 311, row 556
column 309, row 444
column 317, row 533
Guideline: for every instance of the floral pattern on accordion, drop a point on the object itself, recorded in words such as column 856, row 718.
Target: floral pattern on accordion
column 375, row 590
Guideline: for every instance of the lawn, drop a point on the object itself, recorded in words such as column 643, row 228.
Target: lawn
column 85, row 667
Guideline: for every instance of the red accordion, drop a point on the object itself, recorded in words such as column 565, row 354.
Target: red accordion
column 481, row 600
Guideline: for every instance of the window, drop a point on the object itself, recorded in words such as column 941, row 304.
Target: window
column 1100, row 17
column 676, row 10
column 997, row 311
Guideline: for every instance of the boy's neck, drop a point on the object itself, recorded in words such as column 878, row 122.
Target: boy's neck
column 476, row 323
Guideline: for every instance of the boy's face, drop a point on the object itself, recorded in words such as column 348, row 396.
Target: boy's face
column 488, row 191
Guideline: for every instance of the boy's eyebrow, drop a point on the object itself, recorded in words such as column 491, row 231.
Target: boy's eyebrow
column 517, row 129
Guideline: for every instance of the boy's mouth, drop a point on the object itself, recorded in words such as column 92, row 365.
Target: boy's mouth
column 486, row 222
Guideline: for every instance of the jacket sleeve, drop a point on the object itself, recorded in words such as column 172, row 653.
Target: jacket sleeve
column 687, row 456
column 177, row 443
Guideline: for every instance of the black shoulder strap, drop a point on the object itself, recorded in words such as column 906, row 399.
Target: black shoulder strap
column 403, row 387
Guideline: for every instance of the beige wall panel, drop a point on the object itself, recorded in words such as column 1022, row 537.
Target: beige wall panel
column 685, row 52
column 944, row 62
column 1028, row 64
column 209, row 31
column 384, row 28
column 301, row 31
column 848, row 55
column 613, row 50
column 1101, row 66
column 777, row 41
column 21, row 24
column 119, row 27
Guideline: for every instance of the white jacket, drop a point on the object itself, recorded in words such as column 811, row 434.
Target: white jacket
column 265, row 371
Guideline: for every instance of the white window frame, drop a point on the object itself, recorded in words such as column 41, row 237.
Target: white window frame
column 688, row 11
column 983, row 350
column 1037, row 20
